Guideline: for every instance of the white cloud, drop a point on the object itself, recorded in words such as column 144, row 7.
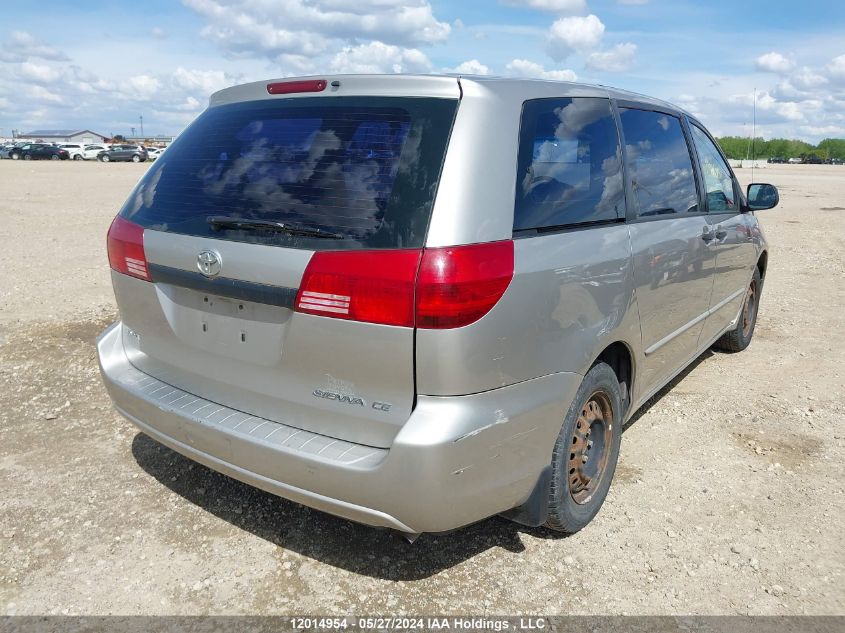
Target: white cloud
column 39, row 94
column 773, row 63
column 201, row 81
column 555, row 6
column 574, row 34
column 37, row 73
column 158, row 33
column 311, row 27
column 22, row 46
column 836, row 68
column 143, row 86
column 529, row 69
column 471, row 67
column 378, row 57
column 617, row 59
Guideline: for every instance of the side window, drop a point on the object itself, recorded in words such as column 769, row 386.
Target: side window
column 659, row 163
column 569, row 164
column 717, row 177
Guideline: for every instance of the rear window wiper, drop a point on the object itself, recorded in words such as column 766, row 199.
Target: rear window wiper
column 220, row 222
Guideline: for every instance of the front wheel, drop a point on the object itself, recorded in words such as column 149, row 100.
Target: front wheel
column 15, row 156
column 77, row 157
column 739, row 337
column 55, row 157
column 586, row 451
column 136, row 158
column 104, row 159
column 27, row 157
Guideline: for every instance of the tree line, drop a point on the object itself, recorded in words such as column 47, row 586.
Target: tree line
column 739, row 147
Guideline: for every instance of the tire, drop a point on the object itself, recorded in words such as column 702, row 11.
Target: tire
column 55, row 157
column 136, row 158
column 104, row 158
column 586, row 451
column 15, row 156
column 738, row 338
column 27, row 157
column 77, row 157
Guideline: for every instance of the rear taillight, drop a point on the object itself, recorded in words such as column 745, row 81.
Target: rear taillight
column 458, row 285
column 126, row 249
column 434, row 288
column 371, row 286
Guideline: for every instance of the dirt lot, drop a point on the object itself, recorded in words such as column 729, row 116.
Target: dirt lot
column 729, row 498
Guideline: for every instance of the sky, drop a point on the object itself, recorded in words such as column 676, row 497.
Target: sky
column 103, row 64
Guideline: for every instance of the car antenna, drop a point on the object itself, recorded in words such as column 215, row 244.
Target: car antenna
column 753, row 130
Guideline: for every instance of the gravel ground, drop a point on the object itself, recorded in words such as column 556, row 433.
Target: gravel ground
column 729, row 497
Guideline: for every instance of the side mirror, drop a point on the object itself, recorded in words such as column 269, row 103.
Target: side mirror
column 762, row 196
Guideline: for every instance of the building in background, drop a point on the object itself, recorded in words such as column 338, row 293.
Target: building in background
column 83, row 137
column 155, row 141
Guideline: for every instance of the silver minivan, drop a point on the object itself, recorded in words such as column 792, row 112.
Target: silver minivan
column 419, row 301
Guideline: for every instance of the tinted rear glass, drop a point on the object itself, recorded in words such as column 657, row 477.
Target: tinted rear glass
column 570, row 164
column 659, row 162
column 363, row 167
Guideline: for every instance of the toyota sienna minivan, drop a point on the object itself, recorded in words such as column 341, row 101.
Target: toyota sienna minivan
column 419, row 301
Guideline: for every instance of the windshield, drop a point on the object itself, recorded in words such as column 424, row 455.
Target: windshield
column 364, row 168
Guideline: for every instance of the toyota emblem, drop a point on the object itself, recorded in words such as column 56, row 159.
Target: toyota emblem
column 208, row 263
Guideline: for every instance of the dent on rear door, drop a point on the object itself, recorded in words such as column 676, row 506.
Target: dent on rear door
column 571, row 294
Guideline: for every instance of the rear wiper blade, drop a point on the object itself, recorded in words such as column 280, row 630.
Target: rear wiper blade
column 220, row 222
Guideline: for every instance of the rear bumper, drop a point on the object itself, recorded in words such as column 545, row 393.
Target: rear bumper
column 455, row 461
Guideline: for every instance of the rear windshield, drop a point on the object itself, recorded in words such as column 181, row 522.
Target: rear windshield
column 363, row 168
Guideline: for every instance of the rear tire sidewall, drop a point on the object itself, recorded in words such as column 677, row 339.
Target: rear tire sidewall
column 16, row 156
column 27, row 157
column 136, row 158
column 565, row 515
column 757, row 282
column 104, row 159
column 55, row 157
column 77, row 157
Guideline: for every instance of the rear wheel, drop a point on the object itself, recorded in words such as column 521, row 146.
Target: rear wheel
column 136, row 158
column 15, row 156
column 104, row 158
column 55, row 157
column 77, row 157
column 27, row 157
column 586, row 451
column 738, row 338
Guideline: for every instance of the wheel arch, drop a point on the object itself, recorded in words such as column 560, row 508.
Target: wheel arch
column 620, row 357
column 762, row 263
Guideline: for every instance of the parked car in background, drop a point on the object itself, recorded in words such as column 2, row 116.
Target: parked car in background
column 813, row 160
column 5, row 149
column 74, row 150
column 154, row 152
column 835, row 161
column 795, row 161
column 416, row 302
column 777, row 160
column 38, row 151
column 91, row 152
column 124, row 153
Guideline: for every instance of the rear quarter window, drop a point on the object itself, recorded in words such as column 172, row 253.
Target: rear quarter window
column 365, row 168
column 569, row 165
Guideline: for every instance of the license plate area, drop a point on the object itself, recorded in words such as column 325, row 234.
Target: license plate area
column 237, row 329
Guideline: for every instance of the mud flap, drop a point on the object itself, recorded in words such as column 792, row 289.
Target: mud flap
column 535, row 510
